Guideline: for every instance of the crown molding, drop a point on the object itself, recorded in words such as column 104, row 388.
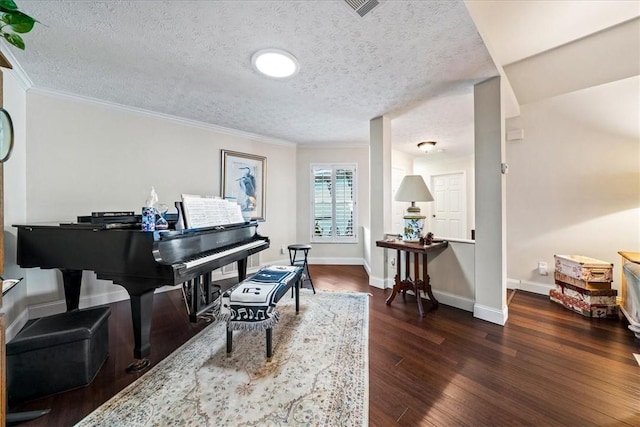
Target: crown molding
column 333, row 145
column 17, row 71
column 168, row 117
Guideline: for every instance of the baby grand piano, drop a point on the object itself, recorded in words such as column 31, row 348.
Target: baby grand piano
column 136, row 260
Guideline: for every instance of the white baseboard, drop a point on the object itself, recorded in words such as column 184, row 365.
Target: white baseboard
column 15, row 326
column 513, row 284
column 456, row 301
column 377, row 282
column 336, row 261
column 533, row 287
column 53, row 307
column 536, row 287
column 448, row 299
column 367, row 267
column 490, row 314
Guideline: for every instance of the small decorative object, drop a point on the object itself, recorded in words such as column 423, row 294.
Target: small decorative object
column 428, row 239
column 148, row 218
column 161, row 220
column 149, row 212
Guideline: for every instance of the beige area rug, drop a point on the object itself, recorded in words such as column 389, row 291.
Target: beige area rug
column 318, row 375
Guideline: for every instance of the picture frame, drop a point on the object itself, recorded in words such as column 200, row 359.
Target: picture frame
column 243, row 180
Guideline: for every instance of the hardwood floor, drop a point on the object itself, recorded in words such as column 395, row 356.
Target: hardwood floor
column 546, row 366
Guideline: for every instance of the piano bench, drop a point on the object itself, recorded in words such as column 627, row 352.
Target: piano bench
column 251, row 304
column 57, row 353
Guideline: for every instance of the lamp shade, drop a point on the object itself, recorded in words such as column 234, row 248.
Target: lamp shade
column 413, row 189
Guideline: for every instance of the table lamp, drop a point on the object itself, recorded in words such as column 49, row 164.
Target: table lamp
column 413, row 189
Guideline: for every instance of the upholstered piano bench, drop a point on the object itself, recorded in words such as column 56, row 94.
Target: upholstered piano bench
column 57, row 353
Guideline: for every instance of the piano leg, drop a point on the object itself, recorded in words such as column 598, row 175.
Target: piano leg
column 72, row 280
column 242, row 269
column 141, row 312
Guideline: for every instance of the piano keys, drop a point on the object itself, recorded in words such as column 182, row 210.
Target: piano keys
column 138, row 261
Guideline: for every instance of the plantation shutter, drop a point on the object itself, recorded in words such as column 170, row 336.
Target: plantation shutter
column 333, row 211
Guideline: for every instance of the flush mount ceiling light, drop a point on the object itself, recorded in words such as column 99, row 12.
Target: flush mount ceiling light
column 275, row 63
column 427, row 146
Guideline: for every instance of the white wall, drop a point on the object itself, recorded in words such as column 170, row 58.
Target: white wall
column 330, row 253
column 83, row 157
column 574, row 180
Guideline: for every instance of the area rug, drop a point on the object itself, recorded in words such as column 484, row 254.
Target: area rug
column 318, row 374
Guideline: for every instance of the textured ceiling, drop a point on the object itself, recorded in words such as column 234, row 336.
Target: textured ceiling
column 414, row 61
column 192, row 59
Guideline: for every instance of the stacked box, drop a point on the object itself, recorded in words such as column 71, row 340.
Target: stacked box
column 584, row 268
column 583, row 285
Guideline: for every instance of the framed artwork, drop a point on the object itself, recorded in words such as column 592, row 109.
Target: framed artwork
column 244, row 179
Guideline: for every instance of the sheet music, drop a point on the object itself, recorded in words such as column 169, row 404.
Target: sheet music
column 209, row 211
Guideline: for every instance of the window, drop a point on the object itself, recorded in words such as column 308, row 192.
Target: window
column 333, row 207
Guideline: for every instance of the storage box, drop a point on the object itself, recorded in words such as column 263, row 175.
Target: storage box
column 57, row 353
column 590, row 303
column 584, row 268
column 582, row 307
column 584, row 284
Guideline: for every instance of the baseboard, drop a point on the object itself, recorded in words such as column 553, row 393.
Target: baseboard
column 536, row 287
column 55, row 307
column 15, row 326
column 456, row 301
column 49, row 308
column 336, row 261
column 367, row 267
column 533, row 287
column 490, row 314
column 377, row 282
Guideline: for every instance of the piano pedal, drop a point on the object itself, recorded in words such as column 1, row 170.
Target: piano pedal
column 138, row 365
column 207, row 317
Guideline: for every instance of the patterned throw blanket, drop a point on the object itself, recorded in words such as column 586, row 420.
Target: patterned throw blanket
column 251, row 304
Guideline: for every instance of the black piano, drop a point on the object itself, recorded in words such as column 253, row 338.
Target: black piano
column 138, row 261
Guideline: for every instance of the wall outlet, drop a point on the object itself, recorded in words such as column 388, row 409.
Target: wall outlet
column 542, row 268
column 281, row 250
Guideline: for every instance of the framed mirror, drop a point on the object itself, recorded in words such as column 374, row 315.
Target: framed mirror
column 6, row 135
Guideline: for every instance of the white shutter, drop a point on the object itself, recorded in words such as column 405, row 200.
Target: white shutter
column 333, row 203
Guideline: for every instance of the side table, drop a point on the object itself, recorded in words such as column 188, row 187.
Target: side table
column 417, row 283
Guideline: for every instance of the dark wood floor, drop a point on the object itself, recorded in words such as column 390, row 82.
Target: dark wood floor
column 547, row 366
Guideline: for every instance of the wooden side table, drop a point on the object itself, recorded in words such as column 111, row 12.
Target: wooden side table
column 417, row 283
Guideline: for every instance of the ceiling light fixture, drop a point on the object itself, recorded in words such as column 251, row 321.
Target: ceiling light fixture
column 275, row 63
column 426, row 146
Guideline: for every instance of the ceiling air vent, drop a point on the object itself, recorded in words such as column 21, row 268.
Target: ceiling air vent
column 362, row 7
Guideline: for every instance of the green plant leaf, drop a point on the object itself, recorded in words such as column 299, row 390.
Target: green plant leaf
column 14, row 39
column 8, row 6
column 19, row 22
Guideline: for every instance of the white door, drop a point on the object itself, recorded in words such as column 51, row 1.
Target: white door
column 449, row 206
